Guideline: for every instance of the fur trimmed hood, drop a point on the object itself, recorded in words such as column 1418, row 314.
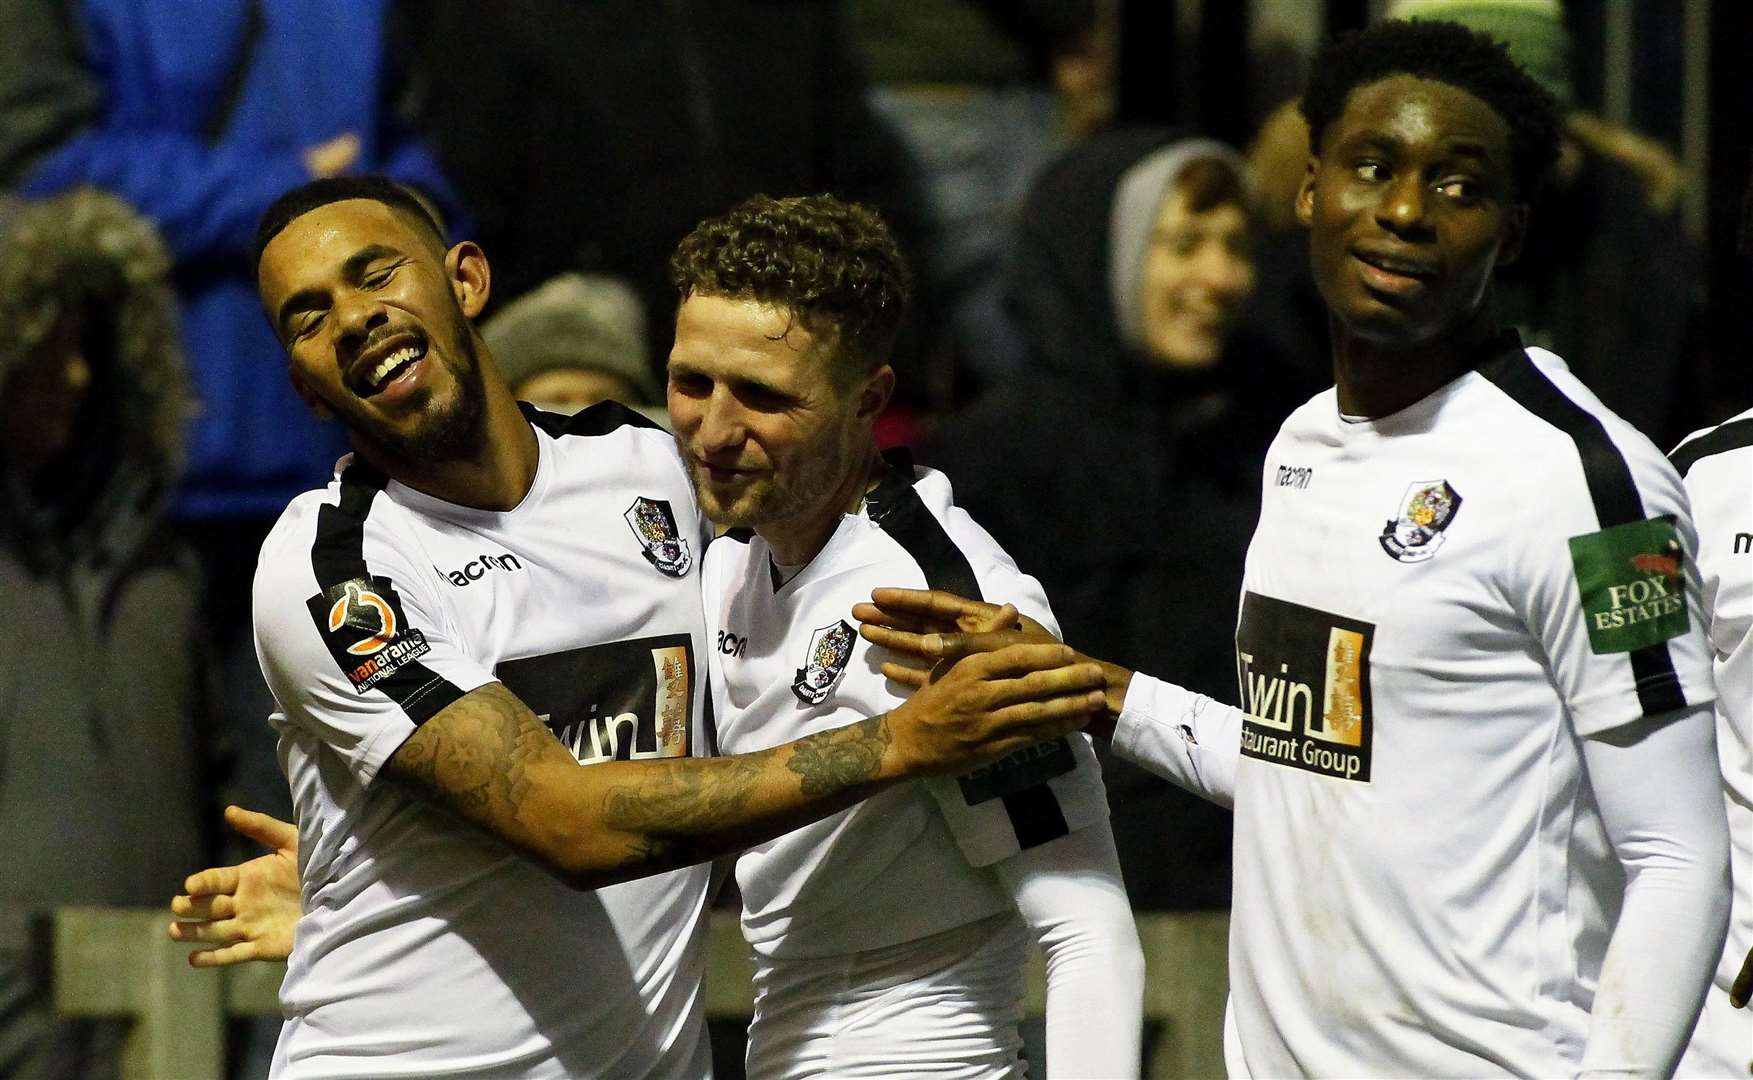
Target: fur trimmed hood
column 72, row 251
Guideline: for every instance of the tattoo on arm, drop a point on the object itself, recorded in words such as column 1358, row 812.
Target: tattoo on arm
column 678, row 813
column 474, row 757
column 489, row 760
column 830, row 761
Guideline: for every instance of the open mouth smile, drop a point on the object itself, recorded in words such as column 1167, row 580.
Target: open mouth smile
column 386, row 364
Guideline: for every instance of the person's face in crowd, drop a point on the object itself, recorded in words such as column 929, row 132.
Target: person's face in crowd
column 42, row 398
column 567, row 390
column 1198, row 271
column 375, row 315
column 767, row 434
column 1410, row 207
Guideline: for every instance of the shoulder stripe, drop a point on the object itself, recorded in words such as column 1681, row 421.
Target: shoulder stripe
column 338, row 558
column 896, row 508
column 598, row 419
column 1611, row 488
column 1734, row 435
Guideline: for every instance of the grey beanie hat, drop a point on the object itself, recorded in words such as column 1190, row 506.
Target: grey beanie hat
column 585, row 321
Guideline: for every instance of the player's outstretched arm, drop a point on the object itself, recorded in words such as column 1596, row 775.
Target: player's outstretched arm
column 488, row 759
column 1187, row 738
column 247, row 911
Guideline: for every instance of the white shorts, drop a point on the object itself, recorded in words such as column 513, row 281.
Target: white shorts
column 943, row 1006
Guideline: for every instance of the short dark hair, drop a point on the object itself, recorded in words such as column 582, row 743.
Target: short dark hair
column 833, row 265
column 304, row 198
column 1448, row 53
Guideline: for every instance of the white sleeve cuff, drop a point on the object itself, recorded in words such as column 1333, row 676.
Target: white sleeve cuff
column 1184, row 737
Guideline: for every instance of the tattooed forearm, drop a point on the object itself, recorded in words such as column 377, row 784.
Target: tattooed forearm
column 682, row 797
column 475, row 759
column 830, row 761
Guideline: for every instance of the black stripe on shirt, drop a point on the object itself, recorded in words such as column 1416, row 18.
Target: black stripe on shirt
column 896, row 508
column 1611, row 488
column 598, row 419
column 338, row 558
column 1734, row 435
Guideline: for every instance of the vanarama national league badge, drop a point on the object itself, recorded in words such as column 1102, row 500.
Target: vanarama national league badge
column 1425, row 511
column 362, row 624
column 830, row 649
column 659, row 541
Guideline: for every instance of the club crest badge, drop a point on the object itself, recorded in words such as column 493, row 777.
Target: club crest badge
column 659, row 541
column 830, row 649
column 1426, row 509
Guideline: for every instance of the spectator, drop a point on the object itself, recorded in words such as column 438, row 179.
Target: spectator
column 101, row 674
column 1132, row 266
column 577, row 340
column 982, row 96
column 200, row 115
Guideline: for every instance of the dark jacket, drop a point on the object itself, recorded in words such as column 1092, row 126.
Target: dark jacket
column 1129, row 489
column 198, row 112
column 102, row 681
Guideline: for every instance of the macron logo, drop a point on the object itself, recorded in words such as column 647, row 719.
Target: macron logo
column 476, row 569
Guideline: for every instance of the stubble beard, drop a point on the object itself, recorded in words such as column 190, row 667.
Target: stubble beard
column 450, row 433
column 771, row 500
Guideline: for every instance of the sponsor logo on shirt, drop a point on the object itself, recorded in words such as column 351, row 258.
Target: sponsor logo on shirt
column 476, row 569
column 617, row 701
column 362, row 623
column 659, row 541
column 1426, row 509
column 1305, row 685
column 830, row 649
column 1743, row 543
column 1296, row 476
column 1027, row 768
column 1630, row 581
column 730, row 644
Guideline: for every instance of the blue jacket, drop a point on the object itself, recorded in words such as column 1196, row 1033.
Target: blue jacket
column 199, row 113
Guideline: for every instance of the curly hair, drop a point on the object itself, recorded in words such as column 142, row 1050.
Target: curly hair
column 1448, row 53
column 833, row 265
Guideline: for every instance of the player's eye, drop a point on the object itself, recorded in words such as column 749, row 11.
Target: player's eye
column 377, row 279
column 1460, row 188
column 690, row 384
column 1370, row 172
column 307, row 325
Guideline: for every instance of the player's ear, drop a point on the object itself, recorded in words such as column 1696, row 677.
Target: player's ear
column 879, row 387
column 470, row 278
column 305, row 394
column 1305, row 194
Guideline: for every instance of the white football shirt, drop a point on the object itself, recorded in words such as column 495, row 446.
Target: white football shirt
column 428, row 948
column 788, row 661
column 1437, row 606
column 1717, row 468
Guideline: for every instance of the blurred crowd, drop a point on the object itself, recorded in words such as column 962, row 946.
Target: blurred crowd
column 1113, row 322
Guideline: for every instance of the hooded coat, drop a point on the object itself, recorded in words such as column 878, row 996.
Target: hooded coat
column 1130, row 489
column 102, row 684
